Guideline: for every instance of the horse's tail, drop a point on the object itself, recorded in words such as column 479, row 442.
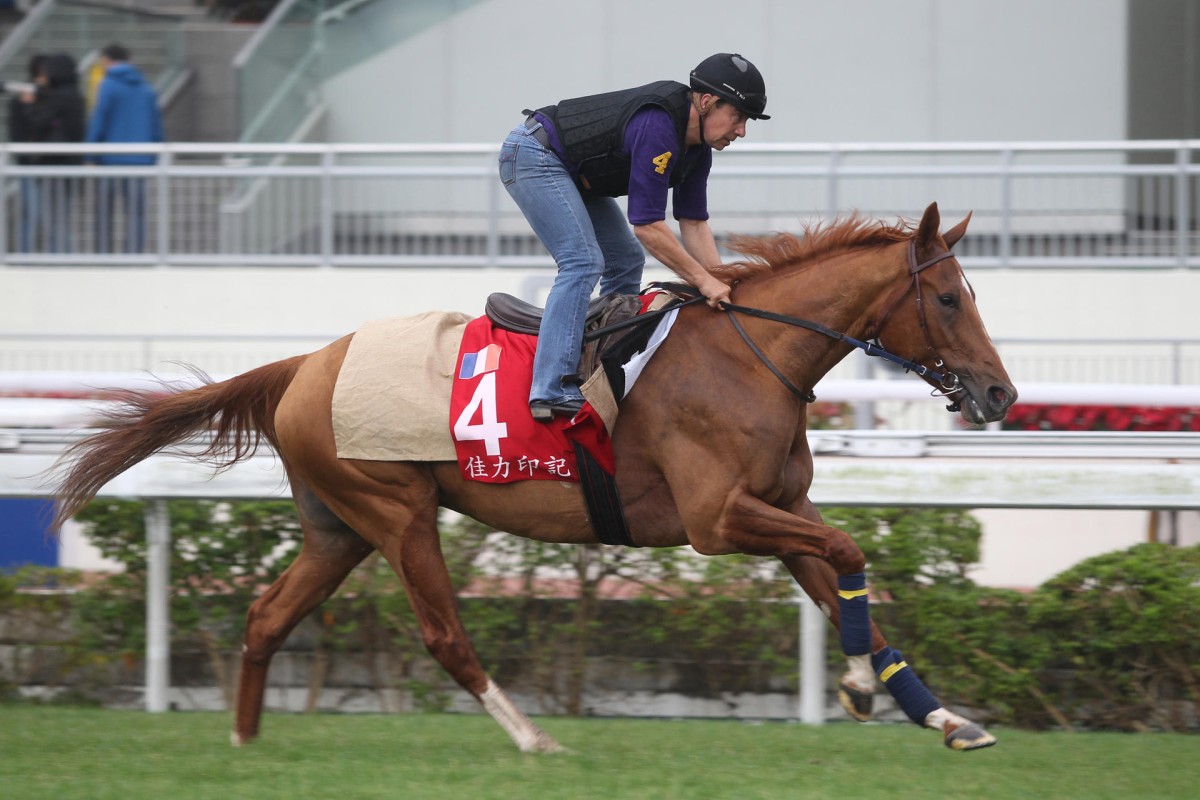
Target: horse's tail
column 240, row 412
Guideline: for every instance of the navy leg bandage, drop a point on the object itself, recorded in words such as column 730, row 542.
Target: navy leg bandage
column 856, row 614
column 909, row 692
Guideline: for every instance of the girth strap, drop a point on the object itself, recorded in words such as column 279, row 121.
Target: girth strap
column 603, row 500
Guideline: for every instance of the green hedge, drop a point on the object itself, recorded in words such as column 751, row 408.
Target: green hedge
column 1111, row 643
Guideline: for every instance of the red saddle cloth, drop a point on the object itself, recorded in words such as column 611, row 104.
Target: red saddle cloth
column 495, row 438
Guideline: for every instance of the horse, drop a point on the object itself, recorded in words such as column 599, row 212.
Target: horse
column 710, row 448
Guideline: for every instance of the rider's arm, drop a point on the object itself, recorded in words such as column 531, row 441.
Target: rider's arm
column 699, row 241
column 650, row 139
column 660, row 242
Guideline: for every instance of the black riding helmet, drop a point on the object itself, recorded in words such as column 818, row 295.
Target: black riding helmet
column 731, row 77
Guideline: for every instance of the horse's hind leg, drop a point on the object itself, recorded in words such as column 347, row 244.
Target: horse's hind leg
column 416, row 555
column 398, row 515
column 856, row 687
column 330, row 550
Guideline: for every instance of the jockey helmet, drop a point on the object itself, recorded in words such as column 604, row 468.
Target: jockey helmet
column 731, row 77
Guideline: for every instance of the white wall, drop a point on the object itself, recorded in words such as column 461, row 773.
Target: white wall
column 1014, row 303
column 76, row 552
column 1022, row 549
column 869, row 70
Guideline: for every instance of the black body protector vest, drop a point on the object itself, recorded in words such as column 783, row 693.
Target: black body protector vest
column 592, row 132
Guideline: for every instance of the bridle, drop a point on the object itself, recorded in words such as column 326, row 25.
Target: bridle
column 947, row 382
column 950, row 384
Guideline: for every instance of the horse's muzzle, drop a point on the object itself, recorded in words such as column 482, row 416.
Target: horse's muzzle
column 980, row 406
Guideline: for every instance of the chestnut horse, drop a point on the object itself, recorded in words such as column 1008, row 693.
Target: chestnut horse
column 710, row 447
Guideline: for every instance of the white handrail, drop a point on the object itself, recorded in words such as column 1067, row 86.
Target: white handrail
column 838, row 391
column 741, row 149
column 25, row 29
column 264, row 30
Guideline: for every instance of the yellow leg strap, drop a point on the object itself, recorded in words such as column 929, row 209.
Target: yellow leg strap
column 892, row 670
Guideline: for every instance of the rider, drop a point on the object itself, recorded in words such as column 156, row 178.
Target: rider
column 564, row 165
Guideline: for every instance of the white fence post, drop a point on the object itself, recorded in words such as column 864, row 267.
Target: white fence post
column 812, row 661
column 158, row 628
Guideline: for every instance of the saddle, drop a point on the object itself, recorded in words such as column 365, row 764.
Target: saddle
column 610, row 321
column 513, row 314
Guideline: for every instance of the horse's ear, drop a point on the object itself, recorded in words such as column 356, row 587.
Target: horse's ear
column 953, row 235
column 927, row 231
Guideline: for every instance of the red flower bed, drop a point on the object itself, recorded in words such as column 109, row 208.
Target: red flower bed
column 1030, row 417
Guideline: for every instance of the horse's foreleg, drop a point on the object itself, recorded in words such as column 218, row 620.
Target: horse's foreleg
column 323, row 563
column 417, row 558
column 758, row 528
column 752, row 526
column 829, row 566
column 857, row 687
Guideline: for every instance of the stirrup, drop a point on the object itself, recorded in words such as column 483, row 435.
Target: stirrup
column 545, row 411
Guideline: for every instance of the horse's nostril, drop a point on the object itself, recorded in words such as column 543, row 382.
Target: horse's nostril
column 999, row 396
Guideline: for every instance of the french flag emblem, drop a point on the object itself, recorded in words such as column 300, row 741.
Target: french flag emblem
column 476, row 364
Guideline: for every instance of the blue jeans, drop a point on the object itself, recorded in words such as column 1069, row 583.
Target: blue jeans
column 591, row 243
column 45, row 215
column 132, row 192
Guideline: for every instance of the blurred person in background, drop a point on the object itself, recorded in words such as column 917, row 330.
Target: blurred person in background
column 126, row 110
column 53, row 113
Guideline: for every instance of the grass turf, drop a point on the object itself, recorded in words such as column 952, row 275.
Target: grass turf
column 62, row 753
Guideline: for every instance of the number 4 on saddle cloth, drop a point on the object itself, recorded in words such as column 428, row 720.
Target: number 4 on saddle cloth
column 496, row 439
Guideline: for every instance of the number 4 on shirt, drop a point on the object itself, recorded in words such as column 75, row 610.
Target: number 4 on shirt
column 660, row 162
column 489, row 429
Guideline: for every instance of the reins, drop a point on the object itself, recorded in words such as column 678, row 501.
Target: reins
column 870, row 348
column 948, row 382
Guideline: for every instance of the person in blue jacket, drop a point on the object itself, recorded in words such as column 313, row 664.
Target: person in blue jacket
column 126, row 110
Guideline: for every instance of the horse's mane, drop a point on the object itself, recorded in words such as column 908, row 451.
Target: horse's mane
column 784, row 249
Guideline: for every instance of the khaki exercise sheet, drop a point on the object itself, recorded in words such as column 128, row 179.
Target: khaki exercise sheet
column 392, row 397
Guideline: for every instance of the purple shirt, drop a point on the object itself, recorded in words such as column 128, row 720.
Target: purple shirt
column 650, row 144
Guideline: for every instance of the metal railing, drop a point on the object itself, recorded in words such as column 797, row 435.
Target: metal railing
column 281, row 70
column 1128, row 363
column 278, row 72
column 1035, row 204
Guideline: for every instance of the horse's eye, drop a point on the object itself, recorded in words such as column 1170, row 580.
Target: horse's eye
column 948, row 300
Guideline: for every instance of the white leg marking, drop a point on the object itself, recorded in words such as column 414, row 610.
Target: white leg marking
column 860, row 675
column 529, row 738
column 939, row 717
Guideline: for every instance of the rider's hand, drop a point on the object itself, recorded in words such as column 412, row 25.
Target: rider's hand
column 715, row 292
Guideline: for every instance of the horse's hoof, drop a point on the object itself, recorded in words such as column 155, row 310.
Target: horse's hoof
column 543, row 743
column 857, row 703
column 237, row 740
column 968, row 737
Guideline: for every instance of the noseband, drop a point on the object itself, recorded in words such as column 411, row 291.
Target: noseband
column 948, row 383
